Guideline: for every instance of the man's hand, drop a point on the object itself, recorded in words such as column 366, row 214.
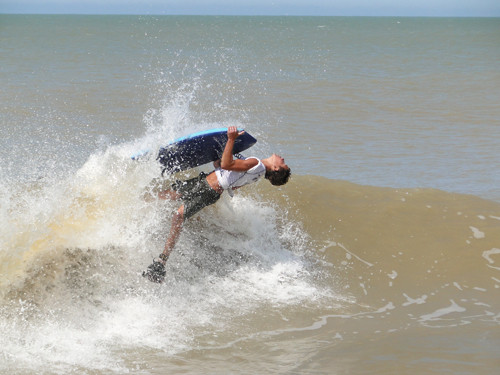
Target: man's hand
column 233, row 133
column 227, row 161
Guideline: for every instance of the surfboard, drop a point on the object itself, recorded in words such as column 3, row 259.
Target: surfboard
column 199, row 148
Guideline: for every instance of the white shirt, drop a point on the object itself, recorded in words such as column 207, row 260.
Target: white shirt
column 229, row 180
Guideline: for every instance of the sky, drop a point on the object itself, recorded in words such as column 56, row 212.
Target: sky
column 455, row 8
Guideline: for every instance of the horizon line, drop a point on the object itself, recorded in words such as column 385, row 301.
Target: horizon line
column 244, row 15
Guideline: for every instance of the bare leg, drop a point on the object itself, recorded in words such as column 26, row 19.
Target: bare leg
column 156, row 271
column 175, row 231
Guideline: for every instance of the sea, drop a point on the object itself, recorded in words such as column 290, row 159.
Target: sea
column 380, row 256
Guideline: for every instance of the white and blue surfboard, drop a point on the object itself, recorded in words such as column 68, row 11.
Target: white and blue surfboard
column 198, row 148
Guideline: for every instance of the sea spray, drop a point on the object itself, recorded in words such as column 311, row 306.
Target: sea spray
column 72, row 290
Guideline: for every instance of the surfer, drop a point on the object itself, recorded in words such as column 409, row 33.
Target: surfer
column 229, row 174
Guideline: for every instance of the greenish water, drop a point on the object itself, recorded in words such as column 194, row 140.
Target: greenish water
column 372, row 259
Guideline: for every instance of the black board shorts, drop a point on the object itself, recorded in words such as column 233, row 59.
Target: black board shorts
column 196, row 194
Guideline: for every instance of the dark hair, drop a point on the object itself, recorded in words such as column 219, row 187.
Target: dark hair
column 279, row 177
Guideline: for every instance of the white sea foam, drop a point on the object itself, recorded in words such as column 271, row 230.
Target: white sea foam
column 411, row 301
column 476, row 232
column 487, row 254
column 86, row 238
column 393, row 274
column 440, row 313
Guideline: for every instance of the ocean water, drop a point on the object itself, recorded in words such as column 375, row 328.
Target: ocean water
column 381, row 255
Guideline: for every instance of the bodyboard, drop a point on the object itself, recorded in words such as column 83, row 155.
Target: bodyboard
column 200, row 148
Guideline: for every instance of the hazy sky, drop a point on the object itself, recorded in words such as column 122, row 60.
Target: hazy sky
column 260, row 7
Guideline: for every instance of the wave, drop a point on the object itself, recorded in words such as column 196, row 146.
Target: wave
column 73, row 249
column 409, row 246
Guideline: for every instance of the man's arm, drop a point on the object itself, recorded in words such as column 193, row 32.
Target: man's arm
column 227, row 161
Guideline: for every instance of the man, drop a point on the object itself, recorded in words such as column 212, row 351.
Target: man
column 204, row 190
